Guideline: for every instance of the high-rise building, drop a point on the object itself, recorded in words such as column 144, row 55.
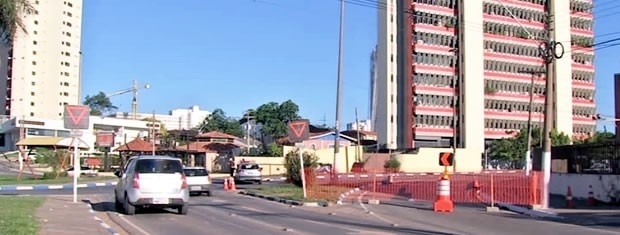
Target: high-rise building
column 472, row 61
column 43, row 65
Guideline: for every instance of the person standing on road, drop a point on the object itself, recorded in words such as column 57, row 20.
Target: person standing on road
column 231, row 162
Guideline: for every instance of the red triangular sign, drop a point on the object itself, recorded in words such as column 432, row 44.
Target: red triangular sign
column 298, row 128
column 76, row 113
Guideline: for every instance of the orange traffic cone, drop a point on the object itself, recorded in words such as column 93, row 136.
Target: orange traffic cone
column 444, row 202
column 231, row 183
column 226, row 184
column 591, row 201
column 569, row 198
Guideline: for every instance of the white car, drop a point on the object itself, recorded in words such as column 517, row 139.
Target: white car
column 198, row 180
column 152, row 182
column 249, row 172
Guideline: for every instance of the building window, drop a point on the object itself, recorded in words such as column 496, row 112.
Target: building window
column 34, row 52
column 34, row 42
column 32, row 93
column 36, row 22
column 68, row 24
column 31, row 103
column 34, row 73
column 69, row 14
column 34, row 63
column 70, row 4
column 33, row 83
column 32, row 114
column 35, row 32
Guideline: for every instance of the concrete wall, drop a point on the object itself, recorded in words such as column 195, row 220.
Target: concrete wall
column 326, row 156
column 603, row 186
column 427, row 160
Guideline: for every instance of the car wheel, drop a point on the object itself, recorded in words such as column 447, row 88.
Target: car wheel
column 182, row 210
column 260, row 182
column 118, row 205
column 129, row 209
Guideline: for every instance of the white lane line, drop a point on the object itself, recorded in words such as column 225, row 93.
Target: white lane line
column 359, row 201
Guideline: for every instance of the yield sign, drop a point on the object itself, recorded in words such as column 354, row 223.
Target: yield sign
column 298, row 130
column 446, row 159
column 76, row 117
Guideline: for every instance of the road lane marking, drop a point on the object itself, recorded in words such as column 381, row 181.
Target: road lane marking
column 359, row 200
column 133, row 225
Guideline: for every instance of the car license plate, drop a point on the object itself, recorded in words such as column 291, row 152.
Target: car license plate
column 161, row 201
column 196, row 188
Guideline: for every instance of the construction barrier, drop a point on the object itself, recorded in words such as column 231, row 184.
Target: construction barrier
column 476, row 188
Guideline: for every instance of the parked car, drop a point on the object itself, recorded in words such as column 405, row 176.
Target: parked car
column 84, row 170
column 152, row 182
column 198, row 180
column 249, row 172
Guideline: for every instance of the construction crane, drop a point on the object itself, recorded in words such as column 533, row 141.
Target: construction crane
column 134, row 103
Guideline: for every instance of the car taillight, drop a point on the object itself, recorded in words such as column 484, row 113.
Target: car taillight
column 260, row 169
column 183, row 182
column 209, row 179
column 136, row 180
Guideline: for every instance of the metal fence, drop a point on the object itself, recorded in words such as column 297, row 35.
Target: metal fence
column 586, row 159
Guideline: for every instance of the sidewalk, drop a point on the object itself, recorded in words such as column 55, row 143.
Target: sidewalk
column 59, row 215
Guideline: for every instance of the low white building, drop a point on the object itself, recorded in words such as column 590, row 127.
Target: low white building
column 124, row 129
column 176, row 119
column 361, row 125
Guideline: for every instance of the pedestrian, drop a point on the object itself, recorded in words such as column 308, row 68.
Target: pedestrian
column 231, row 162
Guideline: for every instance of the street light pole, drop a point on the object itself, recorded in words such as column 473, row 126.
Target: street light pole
column 339, row 90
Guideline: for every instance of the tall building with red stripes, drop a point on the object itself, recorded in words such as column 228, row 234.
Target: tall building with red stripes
column 441, row 59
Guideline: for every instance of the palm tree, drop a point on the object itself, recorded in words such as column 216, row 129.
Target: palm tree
column 11, row 15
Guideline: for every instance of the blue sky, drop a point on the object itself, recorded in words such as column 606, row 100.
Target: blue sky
column 238, row 54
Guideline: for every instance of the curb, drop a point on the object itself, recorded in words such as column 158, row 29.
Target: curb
column 345, row 194
column 99, row 220
column 274, row 179
column 284, row 201
column 42, row 187
column 526, row 211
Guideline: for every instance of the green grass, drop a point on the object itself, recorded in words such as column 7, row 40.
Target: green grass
column 18, row 215
column 286, row 191
column 12, row 180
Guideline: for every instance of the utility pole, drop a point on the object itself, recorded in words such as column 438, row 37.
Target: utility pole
column 357, row 130
column 338, row 91
column 528, row 152
column 134, row 102
column 153, row 132
column 550, row 51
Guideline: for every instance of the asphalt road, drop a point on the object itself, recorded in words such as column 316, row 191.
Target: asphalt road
column 475, row 221
column 233, row 214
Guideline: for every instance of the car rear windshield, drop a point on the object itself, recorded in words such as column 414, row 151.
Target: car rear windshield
column 165, row 166
column 249, row 167
column 196, row 172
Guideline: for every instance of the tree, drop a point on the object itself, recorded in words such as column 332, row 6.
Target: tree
column 599, row 137
column 292, row 165
column 99, row 104
column 512, row 150
column 218, row 121
column 274, row 117
column 11, row 15
column 274, row 150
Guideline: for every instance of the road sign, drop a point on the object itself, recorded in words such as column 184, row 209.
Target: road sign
column 105, row 139
column 446, row 159
column 298, row 130
column 76, row 133
column 77, row 117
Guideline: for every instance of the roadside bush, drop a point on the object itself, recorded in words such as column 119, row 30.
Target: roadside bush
column 292, row 165
column 392, row 165
column 52, row 175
